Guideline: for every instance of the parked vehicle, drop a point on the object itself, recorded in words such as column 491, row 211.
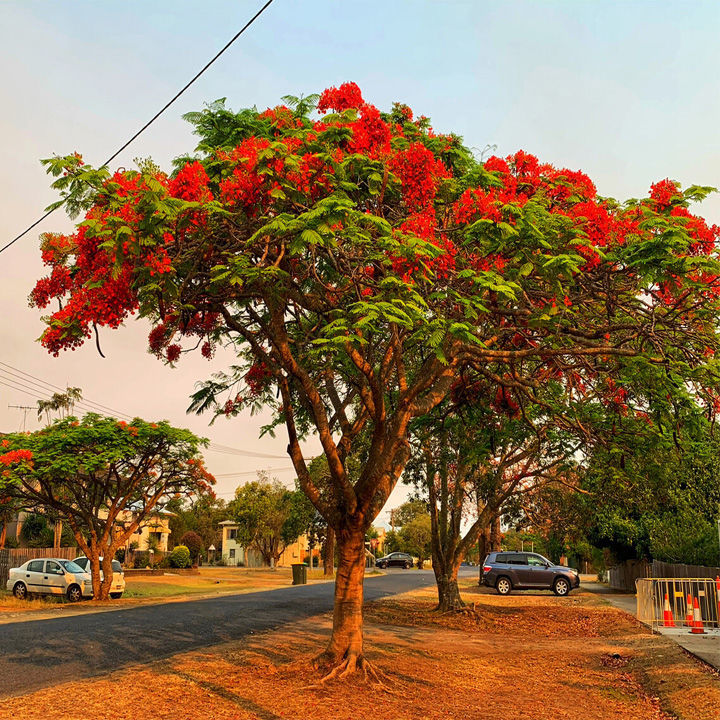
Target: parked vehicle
column 507, row 571
column 118, row 583
column 50, row 577
column 396, row 559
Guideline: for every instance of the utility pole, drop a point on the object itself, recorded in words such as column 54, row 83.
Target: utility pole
column 392, row 520
column 25, row 409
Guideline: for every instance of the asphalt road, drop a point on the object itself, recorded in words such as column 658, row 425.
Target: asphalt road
column 40, row 653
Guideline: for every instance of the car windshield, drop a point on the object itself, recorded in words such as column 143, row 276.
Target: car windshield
column 71, row 567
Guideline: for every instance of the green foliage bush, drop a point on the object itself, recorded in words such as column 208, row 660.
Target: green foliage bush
column 180, row 557
column 193, row 542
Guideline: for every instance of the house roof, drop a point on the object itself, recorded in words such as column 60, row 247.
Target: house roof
column 229, row 522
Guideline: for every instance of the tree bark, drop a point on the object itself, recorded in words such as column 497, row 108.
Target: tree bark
column 495, row 534
column 107, row 572
column 94, row 557
column 484, row 544
column 346, row 643
column 329, row 555
column 446, row 575
column 3, row 535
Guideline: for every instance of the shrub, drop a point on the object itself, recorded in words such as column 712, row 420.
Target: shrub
column 180, row 557
column 193, row 542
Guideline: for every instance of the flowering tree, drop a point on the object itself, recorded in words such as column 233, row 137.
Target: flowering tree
column 91, row 472
column 355, row 262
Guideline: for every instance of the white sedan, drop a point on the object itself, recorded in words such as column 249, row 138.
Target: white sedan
column 53, row 576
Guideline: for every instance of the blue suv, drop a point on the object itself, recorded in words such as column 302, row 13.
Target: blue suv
column 507, row 571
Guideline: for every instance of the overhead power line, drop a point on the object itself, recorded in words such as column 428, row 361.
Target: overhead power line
column 39, row 389
column 156, row 115
column 254, row 472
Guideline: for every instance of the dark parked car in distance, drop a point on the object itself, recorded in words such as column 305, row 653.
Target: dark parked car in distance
column 396, row 559
column 507, row 571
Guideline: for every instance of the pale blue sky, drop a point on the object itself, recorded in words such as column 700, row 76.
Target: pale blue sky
column 626, row 91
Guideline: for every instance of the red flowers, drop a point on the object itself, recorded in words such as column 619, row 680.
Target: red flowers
column 420, row 173
column 348, row 95
column 191, row 183
column 664, row 192
column 257, row 378
column 15, row 457
column 173, row 352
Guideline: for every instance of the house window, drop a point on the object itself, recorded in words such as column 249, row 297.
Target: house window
column 232, row 534
column 232, row 554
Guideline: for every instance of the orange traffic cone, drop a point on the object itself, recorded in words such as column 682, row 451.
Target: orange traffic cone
column 667, row 614
column 689, row 614
column 697, row 628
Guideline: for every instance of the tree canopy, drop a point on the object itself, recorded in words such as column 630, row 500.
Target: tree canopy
column 270, row 517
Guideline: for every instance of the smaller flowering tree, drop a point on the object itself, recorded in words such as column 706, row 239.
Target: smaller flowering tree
column 104, row 477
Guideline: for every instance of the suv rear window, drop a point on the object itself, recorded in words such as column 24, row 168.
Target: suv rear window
column 501, row 558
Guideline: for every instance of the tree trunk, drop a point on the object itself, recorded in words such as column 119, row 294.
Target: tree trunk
column 446, row 575
column 57, row 534
column 346, row 643
column 107, row 572
column 484, row 544
column 3, row 535
column 495, row 534
column 329, row 555
column 94, row 557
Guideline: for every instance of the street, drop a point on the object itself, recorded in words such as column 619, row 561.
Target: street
column 41, row 653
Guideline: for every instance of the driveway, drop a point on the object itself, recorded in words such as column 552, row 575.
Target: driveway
column 41, row 653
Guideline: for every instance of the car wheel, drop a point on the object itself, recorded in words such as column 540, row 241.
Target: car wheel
column 561, row 587
column 74, row 594
column 115, row 596
column 383, row 566
column 408, row 565
column 20, row 591
column 503, row 586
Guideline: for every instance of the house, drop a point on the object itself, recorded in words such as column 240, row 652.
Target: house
column 154, row 529
column 234, row 553
column 152, row 533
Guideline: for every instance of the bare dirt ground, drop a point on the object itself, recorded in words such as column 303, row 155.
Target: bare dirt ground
column 527, row 657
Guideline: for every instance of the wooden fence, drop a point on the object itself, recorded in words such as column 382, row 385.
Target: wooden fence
column 624, row 575
column 677, row 570
column 14, row 557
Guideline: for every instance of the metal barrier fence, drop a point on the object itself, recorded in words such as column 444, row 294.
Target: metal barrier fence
column 692, row 603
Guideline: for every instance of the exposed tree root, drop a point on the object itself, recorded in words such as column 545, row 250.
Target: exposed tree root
column 352, row 663
column 470, row 610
